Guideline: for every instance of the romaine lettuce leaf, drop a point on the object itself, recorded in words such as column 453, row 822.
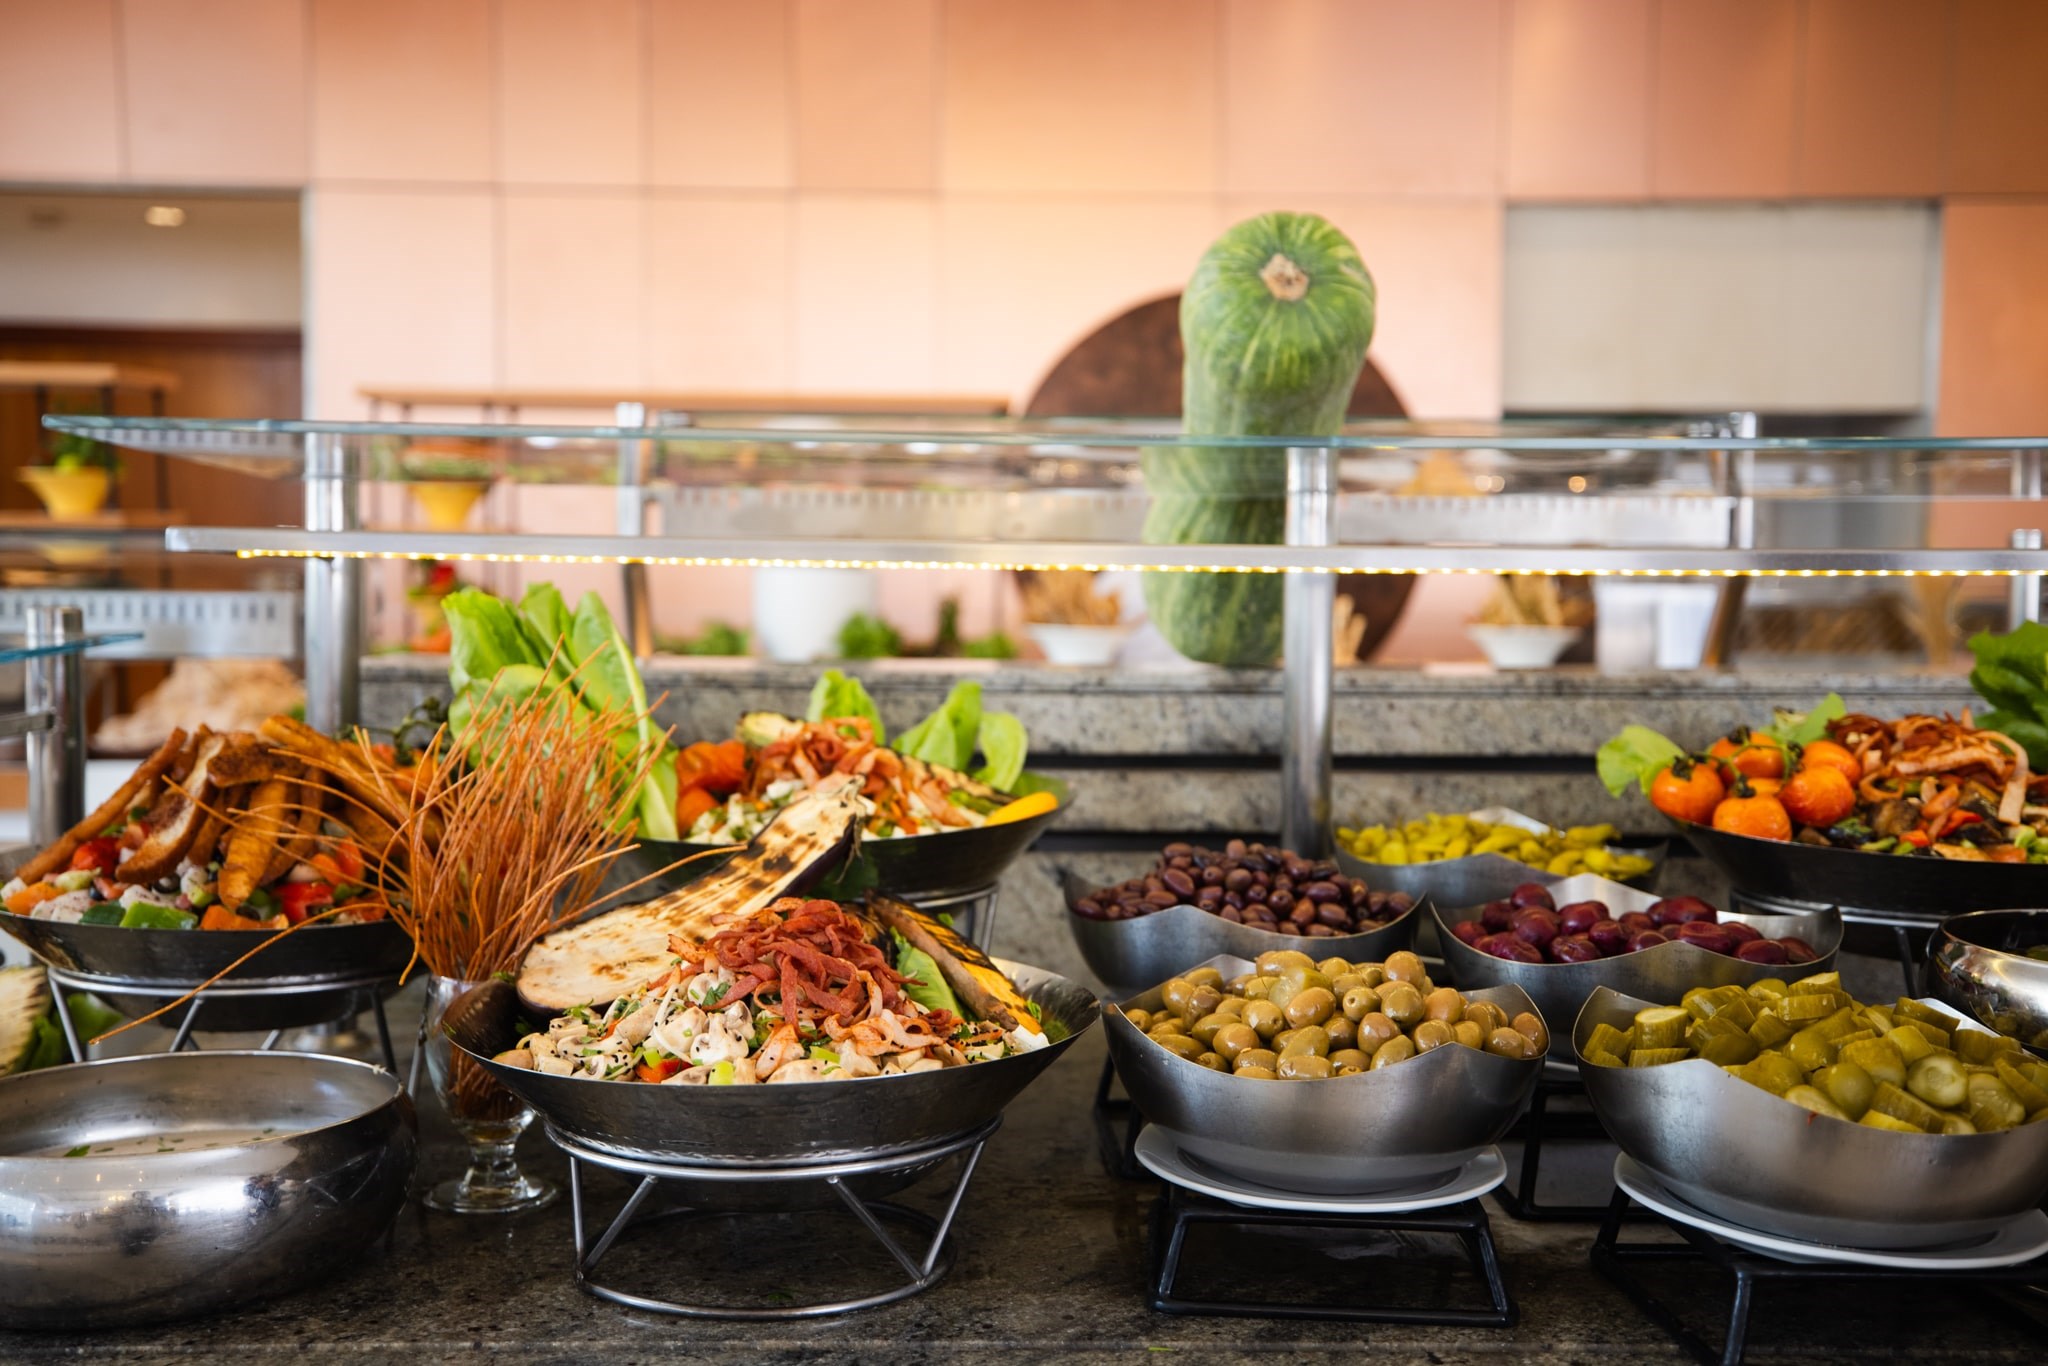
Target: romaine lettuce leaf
column 949, row 734
column 930, row 989
column 1004, row 747
column 836, row 694
column 1636, row 755
column 483, row 637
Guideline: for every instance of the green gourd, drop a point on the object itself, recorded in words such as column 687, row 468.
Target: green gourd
column 1275, row 323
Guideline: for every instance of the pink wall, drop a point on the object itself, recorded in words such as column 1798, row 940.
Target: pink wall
column 938, row 195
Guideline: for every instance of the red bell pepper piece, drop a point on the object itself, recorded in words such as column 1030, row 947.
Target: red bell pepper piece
column 301, row 899
column 669, row 1067
column 101, row 855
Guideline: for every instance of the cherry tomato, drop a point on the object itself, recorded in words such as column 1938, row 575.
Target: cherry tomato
column 1761, row 818
column 1756, row 755
column 102, row 855
column 301, row 899
column 1829, row 754
column 1688, row 792
column 1818, row 797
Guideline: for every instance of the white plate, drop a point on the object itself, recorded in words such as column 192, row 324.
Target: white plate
column 1157, row 1151
column 2020, row 1239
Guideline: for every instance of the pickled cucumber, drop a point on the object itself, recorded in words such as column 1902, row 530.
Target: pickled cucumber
column 1657, row 1057
column 2021, row 1082
column 1937, row 1079
column 1810, row 1098
column 1992, row 1105
column 1903, row 1105
column 1605, row 1038
column 1660, row 1028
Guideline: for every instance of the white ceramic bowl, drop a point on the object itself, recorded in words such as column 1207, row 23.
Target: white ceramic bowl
column 1079, row 645
column 1523, row 647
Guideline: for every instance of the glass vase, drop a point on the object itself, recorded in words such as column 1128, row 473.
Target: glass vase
column 488, row 1117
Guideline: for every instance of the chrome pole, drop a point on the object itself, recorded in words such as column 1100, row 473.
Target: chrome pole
column 1309, row 599
column 635, row 463
column 2023, row 603
column 334, row 619
column 55, row 688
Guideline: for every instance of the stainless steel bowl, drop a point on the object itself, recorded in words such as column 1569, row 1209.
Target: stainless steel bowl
column 1130, row 955
column 1660, row 975
column 1407, row 1125
column 1741, row 1153
column 315, row 1159
column 1476, row 878
column 1978, row 964
column 777, row 1126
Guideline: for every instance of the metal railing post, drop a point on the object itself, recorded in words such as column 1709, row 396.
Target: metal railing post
column 1309, row 598
column 56, row 753
column 334, row 616
column 2023, row 602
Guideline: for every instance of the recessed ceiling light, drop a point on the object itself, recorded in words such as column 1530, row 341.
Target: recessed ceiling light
column 163, row 216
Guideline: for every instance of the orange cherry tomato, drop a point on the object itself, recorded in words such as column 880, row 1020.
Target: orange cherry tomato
column 1764, row 787
column 1756, row 755
column 1687, row 791
column 1818, row 796
column 693, row 804
column 1829, row 754
column 1761, row 818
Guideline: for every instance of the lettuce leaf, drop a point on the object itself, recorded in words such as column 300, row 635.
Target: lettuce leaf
column 2012, row 675
column 1803, row 728
column 1636, row 756
column 949, row 734
column 483, row 637
column 545, row 618
column 836, row 694
column 930, row 989
column 1004, row 747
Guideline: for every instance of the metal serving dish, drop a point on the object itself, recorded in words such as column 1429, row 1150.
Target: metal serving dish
column 1404, row 1126
column 1129, row 955
column 1480, row 877
column 1930, row 888
column 169, row 962
column 319, row 1151
column 775, row 1126
column 1659, row 976
column 916, row 866
column 1741, row 1153
column 1978, row 964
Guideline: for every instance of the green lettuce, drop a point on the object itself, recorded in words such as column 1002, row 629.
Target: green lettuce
column 1803, row 728
column 929, row 988
column 949, row 734
column 1004, row 747
column 1636, row 756
column 483, row 637
column 2012, row 675
column 835, row 695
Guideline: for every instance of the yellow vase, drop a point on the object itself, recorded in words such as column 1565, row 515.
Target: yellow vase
column 446, row 502
column 69, row 495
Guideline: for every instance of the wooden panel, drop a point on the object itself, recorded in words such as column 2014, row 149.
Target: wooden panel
column 59, row 91
column 1998, row 103
column 1725, row 80
column 1578, row 122
column 1994, row 320
column 867, row 103
column 1870, row 97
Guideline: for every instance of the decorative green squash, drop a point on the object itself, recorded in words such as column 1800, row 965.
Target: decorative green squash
column 1275, row 322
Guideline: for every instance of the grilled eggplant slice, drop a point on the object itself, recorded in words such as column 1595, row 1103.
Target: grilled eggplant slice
column 596, row 961
column 978, row 982
column 24, row 999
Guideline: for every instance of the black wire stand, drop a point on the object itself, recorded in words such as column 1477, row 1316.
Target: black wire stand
column 1117, row 1122
column 1542, row 1125
column 1614, row 1259
column 922, row 1270
column 223, row 993
column 1179, row 1210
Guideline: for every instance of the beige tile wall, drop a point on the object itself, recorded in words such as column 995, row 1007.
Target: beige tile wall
column 939, row 195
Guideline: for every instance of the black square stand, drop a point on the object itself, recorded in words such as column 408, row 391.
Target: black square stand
column 1611, row 1258
column 1538, row 1126
column 1178, row 1209
column 1117, row 1123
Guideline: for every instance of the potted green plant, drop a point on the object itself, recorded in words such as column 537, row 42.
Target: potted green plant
column 80, row 475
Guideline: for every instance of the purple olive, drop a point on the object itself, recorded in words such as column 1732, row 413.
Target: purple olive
column 1648, row 939
column 1581, row 916
column 1510, row 948
column 1609, row 936
column 1767, row 951
column 1798, row 950
column 1531, row 894
column 1742, row 932
column 1536, row 926
column 1468, row 931
column 1496, row 916
column 1682, row 910
column 1705, row 935
column 1574, row 948
column 1635, row 922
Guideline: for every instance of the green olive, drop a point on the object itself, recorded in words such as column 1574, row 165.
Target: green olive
column 1401, row 1003
column 1204, row 977
column 1166, row 1024
column 1343, row 1031
column 1273, row 962
column 1238, row 985
column 1203, row 1000
column 1398, row 1049
column 1348, row 1058
column 1445, row 1003
column 1257, row 988
column 1486, row 1015
column 1257, row 1073
column 1531, row 1027
column 1308, row 1039
column 1214, row 1062
column 1293, row 982
column 1233, row 1039
column 1258, row 1057
column 1433, row 1034
column 1278, row 1043
column 1264, row 1017
column 1341, row 983
column 1375, row 1031
column 1141, row 1018
column 1181, row 1045
column 1511, row 1043
column 1360, row 1002
column 1468, row 1033
column 1333, row 965
column 1233, row 1006
column 1311, row 1007
column 1204, row 1030
column 1406, row 966
column 1175, row 993
column 1373, row 973
column 1304, row 1067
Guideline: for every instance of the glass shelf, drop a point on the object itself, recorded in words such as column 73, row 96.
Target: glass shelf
column 15, row 652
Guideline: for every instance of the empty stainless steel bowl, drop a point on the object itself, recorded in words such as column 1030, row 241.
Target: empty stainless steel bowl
column 141, row 1190
column 1658, row 975
column 1405, row 1126
column 1978, row 963
column 1741, row 1153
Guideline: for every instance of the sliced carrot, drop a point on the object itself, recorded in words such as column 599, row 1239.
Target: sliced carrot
column 28, row 898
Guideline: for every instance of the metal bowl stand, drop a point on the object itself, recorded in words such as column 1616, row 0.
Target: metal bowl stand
column 70, row 979
column 1178, row 1210
column 1612, row 1259
column 923, row 1271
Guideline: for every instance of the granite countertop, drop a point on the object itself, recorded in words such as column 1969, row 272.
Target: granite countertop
column 1051, row 1265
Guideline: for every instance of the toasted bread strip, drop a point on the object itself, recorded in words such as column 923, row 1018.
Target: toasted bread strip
column 185, row 813
column 308, row 802
column 57, row 857
column 260, row 829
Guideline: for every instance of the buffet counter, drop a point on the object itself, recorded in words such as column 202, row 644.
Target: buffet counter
column 1051, row 1267
column 1183, row 753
